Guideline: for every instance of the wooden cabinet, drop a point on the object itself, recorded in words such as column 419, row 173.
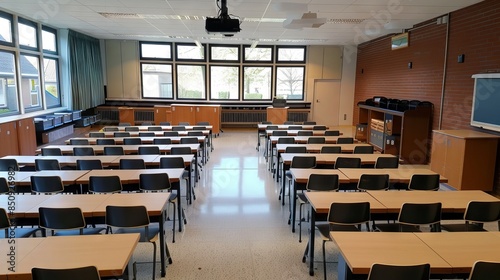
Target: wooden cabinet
column 8, row 136
column 466, row 157
column 193, row 114
column 405, row 134
column 162, row 114
column 210, row 114
column 26, row 135
column 277, row 115
column 126, row 115
column 183, row 113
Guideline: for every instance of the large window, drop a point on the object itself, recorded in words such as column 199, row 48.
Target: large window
column 224, row 53
column 191, row 81
column 257, row 83
column 27, row 34
column 30, row 81
column 259, row 54
column 291, row 54
column 162, row 51
column 157, row 80
column 290, row 82
column 49, row 40
column 51, row 82
column 224, row 82
column 5, row 27
column 190, row 52
column 8, row 89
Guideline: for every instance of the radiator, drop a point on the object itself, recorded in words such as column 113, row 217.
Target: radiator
column 144, row 116
column 108, row 115
column 252, row 117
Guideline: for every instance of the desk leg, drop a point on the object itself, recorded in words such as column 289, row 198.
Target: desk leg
column 292, row 204
column 342, row 268
column 312, row 233
column 282, row 183
column 258, row 140
column 164, row 252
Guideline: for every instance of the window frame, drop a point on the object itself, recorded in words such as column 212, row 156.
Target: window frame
column 177, row 81
column 58, row 76
column 155, row 43
column 53, row 31
column 258, row 61
column 173, row 81
column 238, row 47
column 190, row 59
column 27, row 22
column 278, row 61
column 18, row 104
column 40, row 105
column 11, row 18
column 240, row 71
column 270, row 86
column 303, row 79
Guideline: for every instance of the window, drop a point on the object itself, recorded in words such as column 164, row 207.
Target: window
column 49, row 41
column 8, row 89
column 224, row 53
column 5, row 27
column 27, row 34
column 224, row 81
column 161, row 51
column 292, row 54
column 30, row 81
column 290, row 82
column 191, row 81
column 51, row 81
column 190, row 52
column 259, row 54
column 257, row 83
column 157, row 80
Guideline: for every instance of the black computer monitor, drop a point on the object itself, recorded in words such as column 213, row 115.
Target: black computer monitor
column 279, row 103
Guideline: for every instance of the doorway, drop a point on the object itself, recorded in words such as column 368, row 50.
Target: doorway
column 326, row 102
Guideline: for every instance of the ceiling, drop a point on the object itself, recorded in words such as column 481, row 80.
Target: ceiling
column 347, row 21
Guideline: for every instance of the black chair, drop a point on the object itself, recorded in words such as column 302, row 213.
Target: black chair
column 347, row 162
column 113, row 151
column 155, row 128
column 132, row 129
column 297, row 162
column 124, row 124
column 288, row 122
column 399, row 272
column 279, row 133
column 387, row 162
column 64, row 221
column 345, row 140
column 319, row 127
column 97, row 134
column 483, row 270
column 4, row 186
column 80, row 273
column 178, row 128
column 342, row 217
column 373, row 182
column 476, row 214
column 296, row 149
column 158, row 182
column 195, row 133
column 316, row 140
column 184, row 123
column 414, row 215
column 424, row 182
column 111, row 128
column 133, row 219
column 88, row 164
column 363, row 150
column 121, row 134
column 189, row 140
column 105, row 184
column 202, row 123
column 162, row 141
column 165, row 123
column 83, row 151
column 281, row 140
column 6, row 228
column 295, row 127
column 147, row 134
column 332, row 133
column 51, row 152
column 305, row 133
column 132, row 141
column 132, row 163
column 149, row 150
column 46, row 184
column 171, row 133
column 105, row 141
column 147, row 123
column 331, row 150
column 198, row 128
column 46, row 164
column 8, row 164
column 79, row 142
column 309, row 123
column 316, row 182
column 178, row 162
column 180, row 151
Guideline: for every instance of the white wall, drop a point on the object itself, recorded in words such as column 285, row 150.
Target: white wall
column 347, row 85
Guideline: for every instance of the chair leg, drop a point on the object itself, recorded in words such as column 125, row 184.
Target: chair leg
column 306, row 252
column 324, row 259
column 173, row 226
column 154, row 260
column 300, row 223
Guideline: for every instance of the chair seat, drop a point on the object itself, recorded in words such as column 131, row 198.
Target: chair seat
column 172, row 197
column 462, row 227
column 324, row 229
column 302, row 198
column 394, row 227
column 153, row 231
column 86, row 231
column 21, row 232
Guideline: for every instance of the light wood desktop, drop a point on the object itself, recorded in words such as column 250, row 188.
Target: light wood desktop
column 163, row 127
column 63, row 160
column 144, row 139
column 396, row 175
column 316, row 148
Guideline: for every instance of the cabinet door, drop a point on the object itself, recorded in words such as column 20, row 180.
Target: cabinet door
column 438, row 154
column 183, row 114
column 27, row 137
column 160, row 115
column 8, row 134
column 209, row 114
column 454, row 161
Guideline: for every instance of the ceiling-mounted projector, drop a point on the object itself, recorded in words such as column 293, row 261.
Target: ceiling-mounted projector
column 222, row 24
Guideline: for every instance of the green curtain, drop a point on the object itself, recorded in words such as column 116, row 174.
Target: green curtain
column 86, row 73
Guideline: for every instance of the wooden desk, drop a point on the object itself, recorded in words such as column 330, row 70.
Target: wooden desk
column 99, row 149
column 24, row 203
column 144, row 140
column 163, row 127
column 111, row 134
column 68, row 177
column 396, row 175
column 261, row 129
column 110, row 253
column 316, row 148
column 18, row 175
column 320, row 205
column 359, row 250
column 63, row 160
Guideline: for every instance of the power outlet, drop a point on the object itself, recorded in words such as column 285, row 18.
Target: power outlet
column 345, row 117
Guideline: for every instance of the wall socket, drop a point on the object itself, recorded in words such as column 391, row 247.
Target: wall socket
column 345, row 117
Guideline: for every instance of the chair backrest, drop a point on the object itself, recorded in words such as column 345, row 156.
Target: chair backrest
column 296, row 149
column 155, row 128
column 171, row 133
column 286, row 140
column 132, row 141
column 345, row 140
column 51, row 152
column 165, row 123
column 305, row 133
column 316, row 140
column 162, row 141
column 184, row 123
column 83, row 151
column 387, row 162
column 171, row 162
column 111, row 128
column 97, row 134
column 132, row 128
column 189, row 140
column 78, row 141
column 332, row 133
column 203, row 123
column 8, row 164
column 154, row 182
column 418, row 214
column 349, row 213
column 424, row 182
column 124, row 124
column 280, row 133
column 147, row 134
column 132, row 163
column 309, row 123
column 46, row 184
column 113, row 151
column 347, row 162
column 46, row 164
column 484, row 270
column 323, row 182
column 331, row 150
column 127, row 216
column 105, row 141
column 398, row 272
column 303, row 162
column 105, row 184
column 88, row 164
column 288, row 122
column 373, row 182
column 482, row 211
column 319, row 127
column 272, row 127
column 121, row 134
column 178, row 128
column 195, row 133
column 149, row 150
column 295, row 127
column 147, row 123
column 363, row 150
column 180, row 151
column 4, row 186
column 266, row 122
column 198, row 128
column 61, row 218
column 4, row 220
column 80, row 273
